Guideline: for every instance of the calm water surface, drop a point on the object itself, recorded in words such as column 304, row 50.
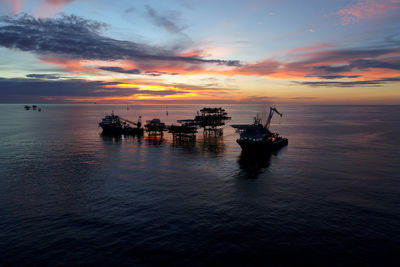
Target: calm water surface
column 69, row 195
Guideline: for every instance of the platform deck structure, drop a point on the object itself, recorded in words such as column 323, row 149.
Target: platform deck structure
column 212, row 120
column 155, row 127
column 184, row 132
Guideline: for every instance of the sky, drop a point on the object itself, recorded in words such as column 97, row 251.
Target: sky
column 187, row 51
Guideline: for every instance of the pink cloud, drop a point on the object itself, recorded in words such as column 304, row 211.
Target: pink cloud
column 48, row 8
column 366, row 9
column 16, row 5
column 58, row 2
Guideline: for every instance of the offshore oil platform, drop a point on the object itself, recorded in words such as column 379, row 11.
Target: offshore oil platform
column 186, row 131
column 211, row 120
column 34, row 107
column 155, row 127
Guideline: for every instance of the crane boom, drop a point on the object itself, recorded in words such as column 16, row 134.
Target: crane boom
column 134, row 123
column 271, row 113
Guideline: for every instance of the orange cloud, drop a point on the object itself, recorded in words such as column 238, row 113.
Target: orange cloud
column 317, row 62
column 68, row 64
column 57, row 3
column 366, row 9
column 374, row 74
column 194, row 53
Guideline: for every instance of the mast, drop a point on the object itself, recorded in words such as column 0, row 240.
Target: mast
column 271, row 113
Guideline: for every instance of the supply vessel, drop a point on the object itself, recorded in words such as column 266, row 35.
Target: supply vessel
column 257, row 137
column 113, row 124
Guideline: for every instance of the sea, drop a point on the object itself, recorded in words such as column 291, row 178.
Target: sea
column 70, row 195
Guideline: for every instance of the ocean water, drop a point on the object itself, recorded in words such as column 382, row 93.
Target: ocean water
column 69, row 195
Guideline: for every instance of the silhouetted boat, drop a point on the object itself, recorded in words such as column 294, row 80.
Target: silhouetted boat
column 34, row 107
column 257, row 137
column 27, row 107
column 113, row 124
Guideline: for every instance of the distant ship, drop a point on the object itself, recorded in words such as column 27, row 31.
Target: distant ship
column 113, row 124
column 257, row 137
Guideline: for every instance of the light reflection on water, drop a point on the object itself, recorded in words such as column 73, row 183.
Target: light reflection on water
column 68, row 192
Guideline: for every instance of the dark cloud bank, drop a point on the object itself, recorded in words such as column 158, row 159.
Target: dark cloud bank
column 73, row 37
column 18, row 89
column 375, row 83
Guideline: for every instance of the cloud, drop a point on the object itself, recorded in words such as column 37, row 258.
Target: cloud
column 333, row 77
column 47, row 8
column 44, row 7
column 59, row 2
column 44, row 76
column 17, row 90
column 332, row 69
column 73, row 37
column 79, row 45
column 43, row 86
column 325, row 72
column 158, row 73
column 136, row 71
column 307, row 48
column 363, row 64
column 129, row 10
column 15, row 4
column 71, row 87
column 304, row 98
column 319, row 61
column 327, row 62
column 121, row 70
column 366, row 9
column 165, row 21
column 375, row 83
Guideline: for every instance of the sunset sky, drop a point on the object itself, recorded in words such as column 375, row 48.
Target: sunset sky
column 186, row 51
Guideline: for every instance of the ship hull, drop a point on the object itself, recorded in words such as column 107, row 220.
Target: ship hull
column 110, row 129
column 262, row 146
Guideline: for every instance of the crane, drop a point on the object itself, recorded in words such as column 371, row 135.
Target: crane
column 271, row 112
column 138, row 124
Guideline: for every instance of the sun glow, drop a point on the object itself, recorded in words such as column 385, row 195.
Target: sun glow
column 144, row 86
